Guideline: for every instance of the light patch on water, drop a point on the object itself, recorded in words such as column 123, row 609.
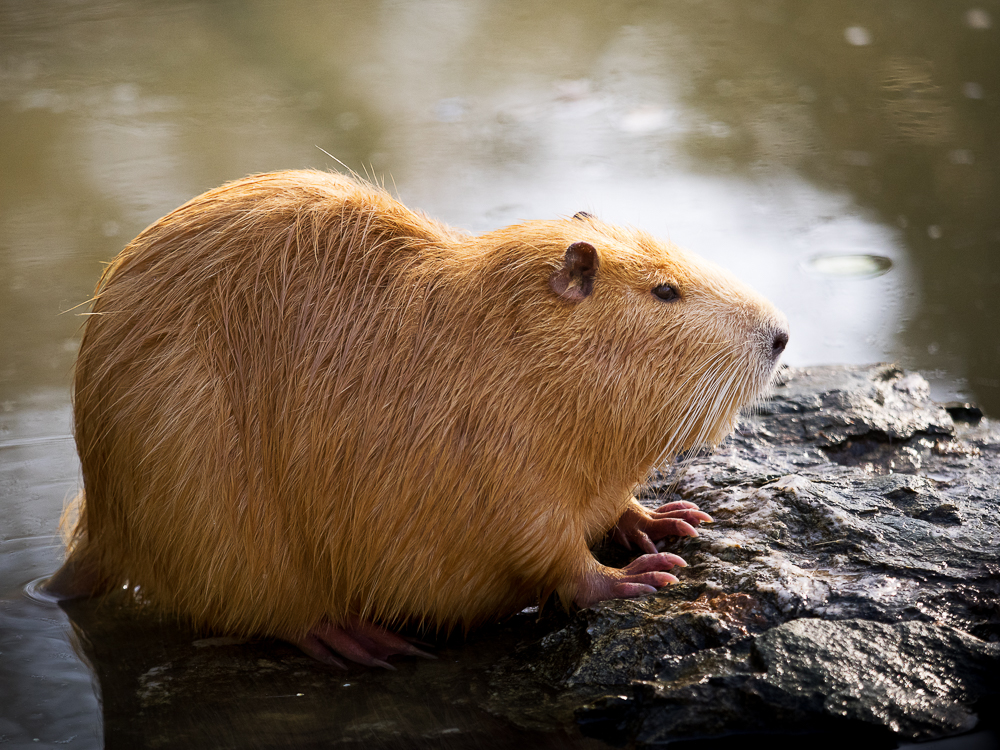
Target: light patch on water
column 855, row 266
column 645, row 119
column 857, row 36
column 978, row 18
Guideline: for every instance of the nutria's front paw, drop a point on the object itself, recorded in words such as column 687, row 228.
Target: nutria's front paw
column 644, row 528
column 358, row 641
column 644, row 575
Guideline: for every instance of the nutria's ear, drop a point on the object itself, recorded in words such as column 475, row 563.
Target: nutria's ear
column 574, row 280
column 581, row 215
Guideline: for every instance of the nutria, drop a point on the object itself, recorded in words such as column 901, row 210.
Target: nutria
column 308, row 412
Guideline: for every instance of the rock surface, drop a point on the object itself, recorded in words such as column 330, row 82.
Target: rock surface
column 848, row 587
column 851, row 580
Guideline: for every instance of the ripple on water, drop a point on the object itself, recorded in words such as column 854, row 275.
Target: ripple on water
column 34, row 590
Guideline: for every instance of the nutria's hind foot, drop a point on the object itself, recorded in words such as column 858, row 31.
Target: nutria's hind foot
column 358, row 641
column 644, row 528
column 644, row 575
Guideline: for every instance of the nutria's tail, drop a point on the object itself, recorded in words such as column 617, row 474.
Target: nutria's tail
column 80, row 575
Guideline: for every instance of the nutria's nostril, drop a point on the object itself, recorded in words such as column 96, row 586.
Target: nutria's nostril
column 778, row 343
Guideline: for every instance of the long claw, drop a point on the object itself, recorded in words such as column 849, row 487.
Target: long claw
column 658, row 561
column 313, row 646
column 631, row 590
column 645, row 543
column 662, row 527
column 414, row 651
column 677, row 505
column 693, row 517
column 417, row 642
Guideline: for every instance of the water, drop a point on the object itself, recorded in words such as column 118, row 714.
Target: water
column 789, row 141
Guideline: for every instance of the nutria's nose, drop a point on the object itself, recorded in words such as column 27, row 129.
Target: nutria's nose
column 778, row 343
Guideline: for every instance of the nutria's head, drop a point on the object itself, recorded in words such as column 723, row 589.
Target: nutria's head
column 659, row 349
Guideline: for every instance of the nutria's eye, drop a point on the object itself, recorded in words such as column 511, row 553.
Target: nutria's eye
column 666, row 292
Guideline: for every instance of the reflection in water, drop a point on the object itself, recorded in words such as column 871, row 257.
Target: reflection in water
column 186, row 692
column 777, row 137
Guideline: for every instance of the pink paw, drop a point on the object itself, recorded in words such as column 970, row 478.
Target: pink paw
column 644, row 528
column 644, row 575
column 358, row 641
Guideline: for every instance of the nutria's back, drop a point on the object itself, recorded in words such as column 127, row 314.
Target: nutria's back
column 297, row 400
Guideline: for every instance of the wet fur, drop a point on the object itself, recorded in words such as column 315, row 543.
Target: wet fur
column 296, row 400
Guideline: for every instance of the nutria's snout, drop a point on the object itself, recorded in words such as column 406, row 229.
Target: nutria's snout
column 778, row 343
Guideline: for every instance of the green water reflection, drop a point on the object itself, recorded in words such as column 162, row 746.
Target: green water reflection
column 761, row 133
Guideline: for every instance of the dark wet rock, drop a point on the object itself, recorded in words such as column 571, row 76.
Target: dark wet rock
column 849, row 591
column 851, row 582
column 831, row 406
column 912, row 678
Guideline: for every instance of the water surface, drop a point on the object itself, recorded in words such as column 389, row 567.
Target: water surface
column 761, row 134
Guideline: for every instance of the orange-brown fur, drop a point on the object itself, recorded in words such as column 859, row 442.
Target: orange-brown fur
column 296, row 400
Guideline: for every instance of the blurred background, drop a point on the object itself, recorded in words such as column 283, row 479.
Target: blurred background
column 841, row 156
